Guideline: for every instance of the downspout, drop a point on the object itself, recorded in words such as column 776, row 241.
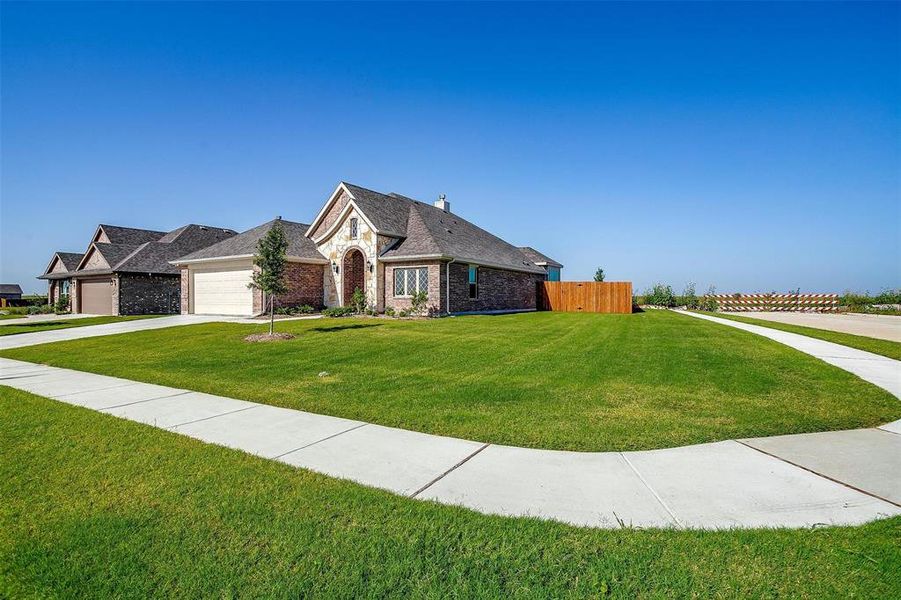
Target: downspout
column 447, row 284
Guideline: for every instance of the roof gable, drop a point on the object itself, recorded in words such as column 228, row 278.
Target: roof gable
column 245, row 244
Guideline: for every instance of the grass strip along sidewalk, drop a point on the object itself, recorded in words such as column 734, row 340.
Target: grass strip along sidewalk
column 876, row 346
column 38, row 326
column 95, row 506
column 547, row 380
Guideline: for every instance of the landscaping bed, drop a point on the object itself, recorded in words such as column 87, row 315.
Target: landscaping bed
column 94, row 506
column 548, row 380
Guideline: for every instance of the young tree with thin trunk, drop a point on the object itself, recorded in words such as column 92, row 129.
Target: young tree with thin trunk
column 599, row 274
column 271, row 259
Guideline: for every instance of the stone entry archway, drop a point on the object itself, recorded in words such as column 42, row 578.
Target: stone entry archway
column 353, row 274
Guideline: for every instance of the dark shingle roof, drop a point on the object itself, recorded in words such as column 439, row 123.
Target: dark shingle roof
column 70, row 260
column 10, row 288
column 537, row 257
column 155, row 256
column 129, row 235
column 426, row 230
column 245, row 244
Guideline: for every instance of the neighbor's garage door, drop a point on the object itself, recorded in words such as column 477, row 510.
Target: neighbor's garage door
column 96, row 297
column 223, row 292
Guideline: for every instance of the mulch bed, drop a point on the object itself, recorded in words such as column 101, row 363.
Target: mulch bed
column 265, row 337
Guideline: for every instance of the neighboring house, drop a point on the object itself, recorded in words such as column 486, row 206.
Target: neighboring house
column 127, row 271
column 10, row 291
column 387, row 245
column 59, row 274
column 215, row 280
column 550, row 266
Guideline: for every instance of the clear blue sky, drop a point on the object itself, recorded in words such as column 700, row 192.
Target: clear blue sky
column 755, row 147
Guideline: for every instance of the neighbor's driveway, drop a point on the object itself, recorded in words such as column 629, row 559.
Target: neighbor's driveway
column 43, row 319
column 883, row 327
column 76, row 333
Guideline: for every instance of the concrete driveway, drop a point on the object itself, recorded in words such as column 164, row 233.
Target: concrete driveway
column 76, row 333
column 883, row 327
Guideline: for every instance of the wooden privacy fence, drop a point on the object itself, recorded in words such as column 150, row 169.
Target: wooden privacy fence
column 585, row 296
column 776, row 302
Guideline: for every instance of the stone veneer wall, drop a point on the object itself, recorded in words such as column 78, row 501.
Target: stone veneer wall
column 498, row 289
column 436, row 303
column 147, row 294
column 184, row 293
column 340, row 242
column 115, row 294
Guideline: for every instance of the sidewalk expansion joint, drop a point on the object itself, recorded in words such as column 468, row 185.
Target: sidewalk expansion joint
column 448, row 472
column 231, row 412
column 139, row 401
column 641, row 478
column 328, row 437
column 818, row 474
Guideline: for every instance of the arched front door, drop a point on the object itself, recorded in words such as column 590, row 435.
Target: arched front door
column 354, row 276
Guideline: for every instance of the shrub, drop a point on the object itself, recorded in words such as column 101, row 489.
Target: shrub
column 358, row 300
column 389, row 311
column 660, row 295
column 417, row 302
column 62, row 304
column 402, row 313
column 689, row 299
column 41, row 309
column 339, row 311
column 305, row 309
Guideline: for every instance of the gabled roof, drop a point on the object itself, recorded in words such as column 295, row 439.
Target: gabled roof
column 129, row 235
column 538, row 258
column 152, row 256
column 244, row 245
column 156, row 256
column 426, row 231
column 10, row 288
column 69, row 261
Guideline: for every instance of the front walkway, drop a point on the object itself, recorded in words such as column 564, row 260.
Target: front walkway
column 840, row 478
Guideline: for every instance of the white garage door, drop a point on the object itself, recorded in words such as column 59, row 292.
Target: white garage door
column 223, row 292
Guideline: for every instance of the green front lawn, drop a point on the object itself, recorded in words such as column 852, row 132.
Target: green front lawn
column 36, row 326
column 549, row 380
column 4, row 317
column 874, row 345
column 98, row 507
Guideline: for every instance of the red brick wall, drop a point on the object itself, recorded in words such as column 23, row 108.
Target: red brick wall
column 498, row 289
column 353, row 274
column 305, row 286
column 436, row 302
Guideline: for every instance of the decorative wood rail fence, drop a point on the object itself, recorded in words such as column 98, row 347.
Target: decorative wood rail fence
column 776, row 302
column 585, row 296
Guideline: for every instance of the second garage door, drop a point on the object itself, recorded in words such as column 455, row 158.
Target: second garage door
column 96, row 297
column 223, row 292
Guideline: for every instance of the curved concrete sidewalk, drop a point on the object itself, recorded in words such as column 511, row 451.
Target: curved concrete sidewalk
column 838, row 478
column 878, row 370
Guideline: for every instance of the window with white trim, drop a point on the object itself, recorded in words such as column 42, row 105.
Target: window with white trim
column 473, row 282
column 354, row 228
column 410, row 281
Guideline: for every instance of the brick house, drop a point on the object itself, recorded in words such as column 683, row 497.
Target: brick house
column 387, row 245
column 127, row 271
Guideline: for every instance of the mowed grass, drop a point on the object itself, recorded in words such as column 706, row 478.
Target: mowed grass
column 36, row 326
column 98, row 507
column 546, row 380
column 876, row 346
